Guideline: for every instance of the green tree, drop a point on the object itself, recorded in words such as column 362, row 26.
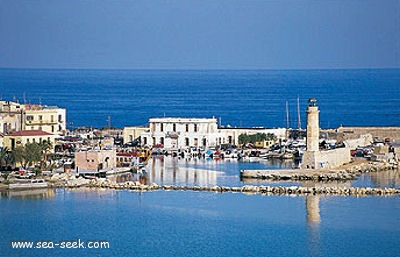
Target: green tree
column 33, row 153
column 259, row 137
column 46, row 148
column 18, row 155
column 4, row 157
column 244, row 139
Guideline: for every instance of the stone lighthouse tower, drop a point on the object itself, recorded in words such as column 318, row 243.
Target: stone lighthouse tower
column 312, row 125
column 311, row 156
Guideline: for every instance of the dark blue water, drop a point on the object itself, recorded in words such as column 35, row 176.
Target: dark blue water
column 239, row 98
column 202, row 224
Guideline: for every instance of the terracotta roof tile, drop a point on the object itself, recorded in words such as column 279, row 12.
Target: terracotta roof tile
column 30, row 133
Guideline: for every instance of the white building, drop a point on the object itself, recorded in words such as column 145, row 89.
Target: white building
column 175, row 133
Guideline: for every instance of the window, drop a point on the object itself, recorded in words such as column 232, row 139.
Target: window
column 52, row 118
column 187, row 141
column 195, row 127
column 29, row 117
column 174, row 127
column 52, row 128
column 162, row 127
column 40, row 117
column 187, row 127
column 60, row 118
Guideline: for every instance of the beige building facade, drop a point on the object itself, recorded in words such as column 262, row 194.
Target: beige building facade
column 95, row 160
column 129, row 134
column 23, row 137
column 11, row 116
column 15, row 117
column 47, row 118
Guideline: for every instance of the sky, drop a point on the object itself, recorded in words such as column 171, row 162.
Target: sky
column 200, row 34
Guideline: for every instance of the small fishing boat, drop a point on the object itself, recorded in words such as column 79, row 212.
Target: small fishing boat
column 29, row 184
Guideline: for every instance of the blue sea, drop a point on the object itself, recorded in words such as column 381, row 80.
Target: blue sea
column 236, row 98
column 184, row 223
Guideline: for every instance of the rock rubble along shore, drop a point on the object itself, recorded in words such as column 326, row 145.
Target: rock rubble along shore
column 346, row 173
column 67, row 180
column 248, row 189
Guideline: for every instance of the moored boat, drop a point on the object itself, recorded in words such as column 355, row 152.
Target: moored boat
column 29, row 184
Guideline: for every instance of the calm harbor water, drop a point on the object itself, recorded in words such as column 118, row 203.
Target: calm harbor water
column 203, row 223
column 210, row 172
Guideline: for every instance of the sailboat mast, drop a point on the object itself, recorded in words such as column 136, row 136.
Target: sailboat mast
column 287, row 115
column 298, row 113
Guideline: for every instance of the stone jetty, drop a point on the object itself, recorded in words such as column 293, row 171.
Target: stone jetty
column 347, row 172
column 68, row 180
column 248, row 189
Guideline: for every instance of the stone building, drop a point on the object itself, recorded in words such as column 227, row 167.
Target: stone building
column 95, row 160
column 313, row 157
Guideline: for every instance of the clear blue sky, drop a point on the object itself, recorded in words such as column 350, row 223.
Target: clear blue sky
column 200, row 34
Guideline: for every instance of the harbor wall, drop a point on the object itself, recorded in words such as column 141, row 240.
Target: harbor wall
column 326, row 159
column 378, row 133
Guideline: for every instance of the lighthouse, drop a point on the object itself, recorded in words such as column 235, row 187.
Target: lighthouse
column 312, row 125
column 313, row 158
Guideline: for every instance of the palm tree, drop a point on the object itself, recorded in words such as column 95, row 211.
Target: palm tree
column 18, row 155
column 4, row 157
column 46, row 148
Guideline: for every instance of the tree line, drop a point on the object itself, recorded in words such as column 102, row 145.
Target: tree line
column 30, row 154
column 259, row 137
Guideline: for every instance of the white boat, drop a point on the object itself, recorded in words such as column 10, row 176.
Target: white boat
column 33, row 183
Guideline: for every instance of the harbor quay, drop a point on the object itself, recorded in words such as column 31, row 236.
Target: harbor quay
column 74, row 158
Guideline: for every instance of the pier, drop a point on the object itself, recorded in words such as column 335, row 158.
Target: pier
column 344, row 173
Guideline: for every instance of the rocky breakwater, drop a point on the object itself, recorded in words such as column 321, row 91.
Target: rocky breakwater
column 249, row 189
column 67, row 180
column 347, row 172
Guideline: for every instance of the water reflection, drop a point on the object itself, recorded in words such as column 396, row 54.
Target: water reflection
column 313, row 222
column 177, row 171
column 30, row 194
column 313, row 212
column 389, row 178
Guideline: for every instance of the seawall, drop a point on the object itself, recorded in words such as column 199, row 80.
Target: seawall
column 347, row 172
